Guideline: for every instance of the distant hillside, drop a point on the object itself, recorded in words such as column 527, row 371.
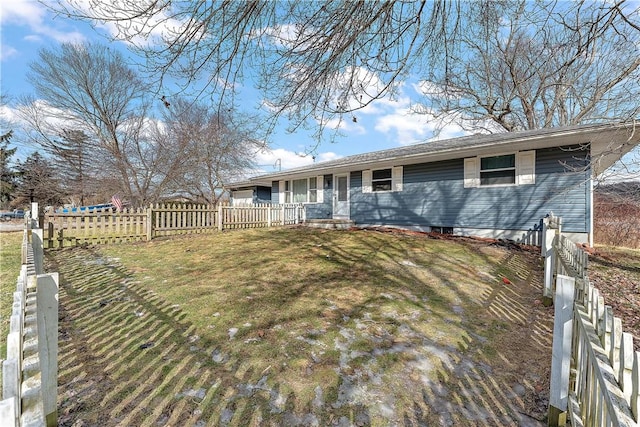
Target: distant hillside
column 625, row 190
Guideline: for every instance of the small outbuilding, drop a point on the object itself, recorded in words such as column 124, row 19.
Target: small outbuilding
column 497, row 185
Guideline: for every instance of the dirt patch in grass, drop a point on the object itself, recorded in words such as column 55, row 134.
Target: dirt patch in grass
column 301, row 326
column 616, row 273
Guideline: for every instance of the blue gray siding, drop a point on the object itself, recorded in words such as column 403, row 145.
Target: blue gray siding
column 322, row 210
column 433, row 195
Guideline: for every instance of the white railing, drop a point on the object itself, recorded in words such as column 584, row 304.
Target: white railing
column 595, row 375
column 30, row 371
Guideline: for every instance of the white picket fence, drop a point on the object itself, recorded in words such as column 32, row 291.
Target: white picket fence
column 595, row 375
column 30, row 371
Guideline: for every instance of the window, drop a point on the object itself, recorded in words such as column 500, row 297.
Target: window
column 299, row 190
column 287, row 191
column 506, row 169
column 381, row 180
column 305, row 190
column 498, row 170
column 313, row 189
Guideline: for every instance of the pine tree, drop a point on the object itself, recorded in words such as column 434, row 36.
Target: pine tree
column 7, row 174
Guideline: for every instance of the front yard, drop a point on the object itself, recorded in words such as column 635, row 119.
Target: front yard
column 302, row 327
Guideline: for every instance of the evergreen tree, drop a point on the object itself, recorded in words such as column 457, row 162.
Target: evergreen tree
column 37, row 182
column 7, row 175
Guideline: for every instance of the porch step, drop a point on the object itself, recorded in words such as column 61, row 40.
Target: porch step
column 339, row 224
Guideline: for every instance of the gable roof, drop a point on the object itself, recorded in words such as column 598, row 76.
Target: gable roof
column 609, row 142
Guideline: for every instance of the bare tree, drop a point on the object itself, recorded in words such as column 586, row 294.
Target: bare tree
column 213, row 149
column 522, row 65
column 312, row 60
column 90, row 89
column 538, row 65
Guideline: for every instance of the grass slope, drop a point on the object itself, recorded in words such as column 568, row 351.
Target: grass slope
column 302, row 327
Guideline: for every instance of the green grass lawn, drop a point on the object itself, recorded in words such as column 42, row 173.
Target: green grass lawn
column 294, row 324
column 10, row 260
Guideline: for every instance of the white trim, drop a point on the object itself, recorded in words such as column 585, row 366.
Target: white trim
column 514, row 168
column 320, row 189
column 526, row 167
column 471, row 172
column 396, row 178
column 281, row 185
column 366, row 181
column 335, row 196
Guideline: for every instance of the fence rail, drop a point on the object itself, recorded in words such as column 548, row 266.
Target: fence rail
column 29, row 373
column 595, row 376
column 105, row 226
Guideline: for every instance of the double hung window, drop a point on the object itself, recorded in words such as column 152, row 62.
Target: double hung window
column 305, row 190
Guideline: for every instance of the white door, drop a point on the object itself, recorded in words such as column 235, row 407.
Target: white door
column 341, row 196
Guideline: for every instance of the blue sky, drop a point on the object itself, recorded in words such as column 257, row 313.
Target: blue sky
column 27, row 26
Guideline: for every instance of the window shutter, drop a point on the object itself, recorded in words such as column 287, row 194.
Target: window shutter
column 526, row 167
column 320, row 189
column 366, row 181
column 396, row 178
column 471, row 172
column 281, row 192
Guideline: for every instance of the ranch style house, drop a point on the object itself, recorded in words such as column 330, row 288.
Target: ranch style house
column 496, row 185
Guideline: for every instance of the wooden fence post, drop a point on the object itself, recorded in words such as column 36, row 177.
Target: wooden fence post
column 561, row 350
column 268, row 215
column 220, row 224
column 550, row 262
column 47, row 303
column 50, row 235
column 149, row 223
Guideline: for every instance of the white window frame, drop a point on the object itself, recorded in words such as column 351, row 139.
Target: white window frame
column 525, row 174
column 286, row 195
column 396, row 179
column 511, row 168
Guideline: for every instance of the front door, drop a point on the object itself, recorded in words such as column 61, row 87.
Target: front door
column 341, row 196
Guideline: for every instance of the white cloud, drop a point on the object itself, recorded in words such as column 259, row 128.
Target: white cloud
column 144, row 30
column 272, row 160
column 34, row 15
column 346, row 125
column 7, row 52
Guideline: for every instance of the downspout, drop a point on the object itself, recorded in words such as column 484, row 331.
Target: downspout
column 590, row 219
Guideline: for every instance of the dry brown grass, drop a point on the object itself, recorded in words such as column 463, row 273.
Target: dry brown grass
column 302, row 327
